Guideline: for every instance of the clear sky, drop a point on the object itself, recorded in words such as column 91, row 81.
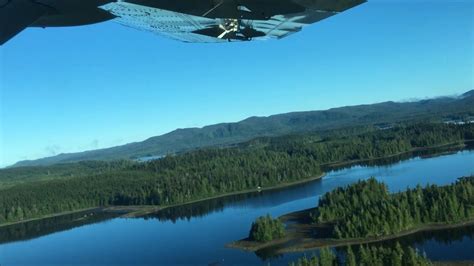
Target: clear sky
column 74, row 89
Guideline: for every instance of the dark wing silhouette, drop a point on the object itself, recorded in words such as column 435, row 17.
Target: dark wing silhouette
column 16, row 15
column 184, row 20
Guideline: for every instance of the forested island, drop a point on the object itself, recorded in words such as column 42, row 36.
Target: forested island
column 266, row 229
column 365, row 212
column 35, row 192
column 366, row 209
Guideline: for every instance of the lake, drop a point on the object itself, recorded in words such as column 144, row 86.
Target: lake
column 196, row 234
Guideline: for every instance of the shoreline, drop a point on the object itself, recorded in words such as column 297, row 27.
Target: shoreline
column 299, row 238
column 49, row 216
column 132, row 211
column 457, row 145
column 139, row 210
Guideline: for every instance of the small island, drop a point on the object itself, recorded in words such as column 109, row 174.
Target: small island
column 366, row 212
column 266, row 229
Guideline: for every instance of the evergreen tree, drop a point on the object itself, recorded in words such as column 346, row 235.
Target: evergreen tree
column 350, row 257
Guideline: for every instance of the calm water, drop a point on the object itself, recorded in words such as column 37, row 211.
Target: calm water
column 196, row 234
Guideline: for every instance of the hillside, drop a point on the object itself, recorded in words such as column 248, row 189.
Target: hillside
column 230, row 133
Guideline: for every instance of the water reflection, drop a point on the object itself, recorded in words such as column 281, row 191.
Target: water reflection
column 38, row 228
column 267, row 254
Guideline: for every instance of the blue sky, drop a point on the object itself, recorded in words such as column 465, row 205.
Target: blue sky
column 74, row 89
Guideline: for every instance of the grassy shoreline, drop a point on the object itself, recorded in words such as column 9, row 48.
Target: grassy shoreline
column 48, row 216
column 299, row 235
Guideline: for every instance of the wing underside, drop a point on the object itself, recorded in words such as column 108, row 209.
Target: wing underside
column 178, row 26
column 183, row 20
column 193, row 28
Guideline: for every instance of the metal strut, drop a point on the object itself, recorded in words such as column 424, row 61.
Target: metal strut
column 214, row 8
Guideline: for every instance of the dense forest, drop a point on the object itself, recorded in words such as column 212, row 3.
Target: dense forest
column 351, row 144
column 206, row 173
column 367, row 209
column 365, row 255
column 265, row 229
column 13, row 176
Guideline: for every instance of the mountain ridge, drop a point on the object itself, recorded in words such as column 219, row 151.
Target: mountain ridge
column 185, row 139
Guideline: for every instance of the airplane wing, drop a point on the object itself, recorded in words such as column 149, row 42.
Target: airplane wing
column 216, row 24
column 16, row 15
column 184, row 20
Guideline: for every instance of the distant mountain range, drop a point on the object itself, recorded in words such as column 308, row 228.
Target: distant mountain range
column 181, row 140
